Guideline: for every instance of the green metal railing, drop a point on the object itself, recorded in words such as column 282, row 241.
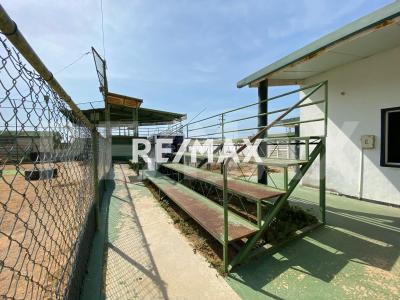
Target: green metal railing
column 319, row 150
column 220, row 121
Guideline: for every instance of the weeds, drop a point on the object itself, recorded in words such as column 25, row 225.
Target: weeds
column 289, row 220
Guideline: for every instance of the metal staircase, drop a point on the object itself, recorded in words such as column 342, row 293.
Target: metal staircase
column 218, row 218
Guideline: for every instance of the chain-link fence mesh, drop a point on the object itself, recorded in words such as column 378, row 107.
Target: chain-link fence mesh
column 100, row 70
column 46, row 185
column 104, row 128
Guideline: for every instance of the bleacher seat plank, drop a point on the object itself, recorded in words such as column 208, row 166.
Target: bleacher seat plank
column 205, row 212
column 250, row 190
column 281, row 162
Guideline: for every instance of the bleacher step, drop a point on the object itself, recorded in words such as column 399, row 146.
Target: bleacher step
column 249, row 190
column 276, row 162
column 205, row 212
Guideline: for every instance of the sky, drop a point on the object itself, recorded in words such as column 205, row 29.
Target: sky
column 180, row 56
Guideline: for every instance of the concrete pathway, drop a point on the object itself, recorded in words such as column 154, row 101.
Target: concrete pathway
column 356, row 256
column 146, row 256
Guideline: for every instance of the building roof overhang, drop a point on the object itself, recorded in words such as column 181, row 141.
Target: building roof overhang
column 369, row 35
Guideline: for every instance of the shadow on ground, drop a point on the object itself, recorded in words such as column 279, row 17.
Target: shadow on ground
column 130, row 271
column 354, row 256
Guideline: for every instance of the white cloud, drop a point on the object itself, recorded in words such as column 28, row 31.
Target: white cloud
column 203, row 46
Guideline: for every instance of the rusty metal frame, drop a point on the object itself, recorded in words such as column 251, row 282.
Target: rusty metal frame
column 318, row 150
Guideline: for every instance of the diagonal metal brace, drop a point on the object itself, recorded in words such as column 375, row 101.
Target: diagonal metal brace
column 245, row 251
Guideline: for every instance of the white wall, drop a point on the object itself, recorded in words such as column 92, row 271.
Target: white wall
column 368, row 85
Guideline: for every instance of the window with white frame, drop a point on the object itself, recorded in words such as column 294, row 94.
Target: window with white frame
column 390, row 145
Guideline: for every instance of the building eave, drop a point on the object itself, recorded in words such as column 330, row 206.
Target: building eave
column 372, row 22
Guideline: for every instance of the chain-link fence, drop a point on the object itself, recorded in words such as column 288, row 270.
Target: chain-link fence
column 47, row 190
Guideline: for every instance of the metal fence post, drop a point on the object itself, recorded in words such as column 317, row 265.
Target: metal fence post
column 222, row 137
column 95, row 161
column 326, row 109
column 225, row 204
column 103, row 161
column 322, row 163
column 222, row 127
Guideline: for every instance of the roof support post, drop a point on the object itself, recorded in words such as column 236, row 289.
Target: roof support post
column 296, row 146
column 135, row 118
column 262, row 121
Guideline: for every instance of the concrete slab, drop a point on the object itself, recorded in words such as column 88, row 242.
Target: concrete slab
column 356, row 256
column 147, row 257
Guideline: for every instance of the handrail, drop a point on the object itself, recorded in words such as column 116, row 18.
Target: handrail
column 208, row 126
column 255, row 116
column 258, row 102
column 225, row 121
column 226, row 160
column 273, row 123
column 188, row 123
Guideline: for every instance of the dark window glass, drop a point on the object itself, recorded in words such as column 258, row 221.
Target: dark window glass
column 393, row 137
column 390, row 146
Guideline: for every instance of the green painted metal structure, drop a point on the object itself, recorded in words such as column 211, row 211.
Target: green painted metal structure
column 206, row 212
column 144, row 116
column 263, row 195
column 250, row 190
column 244, row 252
column 319, row 150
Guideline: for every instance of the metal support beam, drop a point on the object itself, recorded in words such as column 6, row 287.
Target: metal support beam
column 259, row 214
column 297, row 145
column 225, row 204
column 244, row 252
column 222, row 138
column 135, row 124
column 262, row 121
column 285, row 178
column 322, row 181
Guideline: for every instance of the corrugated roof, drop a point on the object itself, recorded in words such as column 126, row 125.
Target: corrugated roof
column 376, row 20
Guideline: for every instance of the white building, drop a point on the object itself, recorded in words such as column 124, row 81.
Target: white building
column 361, row 62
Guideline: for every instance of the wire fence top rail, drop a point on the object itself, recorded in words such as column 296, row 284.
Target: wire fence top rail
column 52, row 163
column 9, row 28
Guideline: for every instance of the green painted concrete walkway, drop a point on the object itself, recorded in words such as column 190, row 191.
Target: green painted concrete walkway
column 146, row 255
column 356, row 256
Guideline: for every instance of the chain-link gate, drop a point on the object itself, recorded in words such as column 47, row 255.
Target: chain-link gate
column 47, row 186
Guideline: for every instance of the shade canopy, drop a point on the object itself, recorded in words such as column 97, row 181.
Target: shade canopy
column 122, row 100
column 120, row 114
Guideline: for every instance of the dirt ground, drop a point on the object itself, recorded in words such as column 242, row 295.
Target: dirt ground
column 39, row 224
